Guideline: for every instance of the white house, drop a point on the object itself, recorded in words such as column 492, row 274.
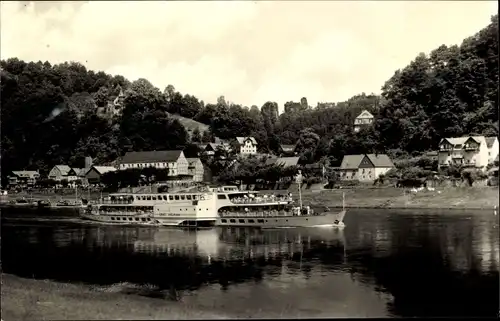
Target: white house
column 246, row 145
column 492, row 143
column 469, row 151
column 173, row 160
column 364, row 167
column 363, row 119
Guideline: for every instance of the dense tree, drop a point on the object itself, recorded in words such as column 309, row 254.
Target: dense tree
column 50, row 112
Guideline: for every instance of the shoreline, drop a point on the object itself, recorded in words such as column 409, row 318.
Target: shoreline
column 34, row 299
column 457, row 198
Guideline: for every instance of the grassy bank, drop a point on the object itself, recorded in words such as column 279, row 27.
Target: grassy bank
column 28, row 299
column 459, row 198
column 390, row 197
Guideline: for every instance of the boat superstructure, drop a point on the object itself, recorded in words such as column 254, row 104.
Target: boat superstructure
column 183, row 209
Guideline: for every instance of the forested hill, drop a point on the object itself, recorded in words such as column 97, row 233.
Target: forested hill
column 49, row 113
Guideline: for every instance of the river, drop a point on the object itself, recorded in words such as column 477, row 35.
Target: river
column 384, row 263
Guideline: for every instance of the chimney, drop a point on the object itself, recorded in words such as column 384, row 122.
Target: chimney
column 88, row 162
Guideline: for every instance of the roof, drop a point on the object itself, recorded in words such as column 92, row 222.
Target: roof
column 365, row 114
column 64, row 169
column 241, row 140
column 378, row 160
column 285, row 161
column 490, row 141
column 102, row 169
column 214, row 146
column 79, row 171
column 287, row 148
column 316, row 165
column 29, row 174
column 151, row 156
column 462, row 140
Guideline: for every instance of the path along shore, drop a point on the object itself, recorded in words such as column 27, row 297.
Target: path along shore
column 389, row 197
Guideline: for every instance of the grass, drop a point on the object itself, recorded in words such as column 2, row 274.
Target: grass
column 29, row 299
column 190, row 124
column 465, row 198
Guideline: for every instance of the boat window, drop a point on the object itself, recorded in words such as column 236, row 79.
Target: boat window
column 232, row 221
column 223, row 221
column 241, row 221
column 180, row 209
column 195, row 197
column 183, row 197
column 130, row 219
column 148, row 197
column 137, row 197
column 112, row 218
column 137, row 219
column 188, row 197
column 164, row 197
column 171, row 197
column 260, row 221
column 251, row 221
column 143, row 219
column 176, row 197
column 154, row 198
column 221, row 197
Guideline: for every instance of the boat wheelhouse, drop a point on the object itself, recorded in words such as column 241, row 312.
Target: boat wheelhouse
column 196, row 209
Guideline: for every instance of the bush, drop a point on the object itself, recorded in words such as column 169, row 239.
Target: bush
column 312, row 180
column 349, row 183
column 470, row 176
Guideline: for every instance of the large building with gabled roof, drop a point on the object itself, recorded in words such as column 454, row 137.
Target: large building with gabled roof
column 173, row 160
column 364, row 167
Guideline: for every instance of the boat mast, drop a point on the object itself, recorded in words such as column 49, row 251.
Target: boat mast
column 343, row 201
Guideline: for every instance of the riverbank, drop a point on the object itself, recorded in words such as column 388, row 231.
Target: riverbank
column 29, row 299
column 473, row 198
column 446, row 198
column 390, row 197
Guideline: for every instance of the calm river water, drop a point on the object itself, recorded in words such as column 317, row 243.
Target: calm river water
column 383, row 263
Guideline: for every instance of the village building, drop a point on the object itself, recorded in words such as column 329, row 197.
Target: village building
column 363, row 120
column 364, row 167
column 283, row 161
column 62, row 172
column 317, row 169
column 23, row 179
column 114, row 108
column 468, row 151
column 173, row 160
column 196, row 169
column 287, row 150
column 93, row 175
column 492, row 143
column 246, row 145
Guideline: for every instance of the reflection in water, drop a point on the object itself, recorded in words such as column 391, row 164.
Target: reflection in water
column 383, row 263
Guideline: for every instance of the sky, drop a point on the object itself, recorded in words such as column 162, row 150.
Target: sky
column 250, row 51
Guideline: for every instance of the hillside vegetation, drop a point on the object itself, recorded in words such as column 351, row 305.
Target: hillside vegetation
column 49, row 112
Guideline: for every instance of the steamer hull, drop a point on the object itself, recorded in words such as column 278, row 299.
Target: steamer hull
column 324, row 219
